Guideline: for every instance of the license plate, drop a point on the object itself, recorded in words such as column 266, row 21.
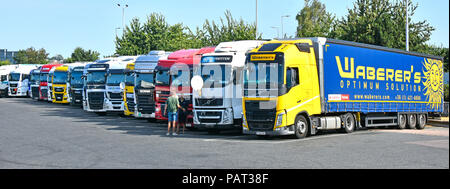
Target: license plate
column 188, row 125
column 130, row 95
column 260, row 133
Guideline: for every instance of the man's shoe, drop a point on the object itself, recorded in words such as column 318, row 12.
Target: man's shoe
column 167, row 134
column 174, row 134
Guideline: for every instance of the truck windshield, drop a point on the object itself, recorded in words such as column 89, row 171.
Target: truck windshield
column 34, row 77
column 262, row 76
column 14, row 77
column 129, row 79
column 75, row 79
column 59, row 77
column 182, row 79
column 115, row 79
column 96, row 77
column 214, row 76
column 162, row 78
column 144, row 80
column 43, row 77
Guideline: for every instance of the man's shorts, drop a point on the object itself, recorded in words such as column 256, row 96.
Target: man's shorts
column 172, row 116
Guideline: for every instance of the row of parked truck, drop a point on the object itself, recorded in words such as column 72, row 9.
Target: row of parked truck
column 281, row 87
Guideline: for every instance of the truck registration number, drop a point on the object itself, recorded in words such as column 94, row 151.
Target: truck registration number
column 260, row 133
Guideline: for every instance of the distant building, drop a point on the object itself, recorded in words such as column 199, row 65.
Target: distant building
column 8, row 55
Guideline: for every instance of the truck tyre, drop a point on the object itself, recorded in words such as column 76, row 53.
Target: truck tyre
column 402, row 121
column 348, row 123
column 421, row 121
column 301, row 127
column 412, row 121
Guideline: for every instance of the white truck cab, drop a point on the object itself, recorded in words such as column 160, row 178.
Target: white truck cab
column 18, row 80
column 4, row 73
column 218, row 104
column 116, row 75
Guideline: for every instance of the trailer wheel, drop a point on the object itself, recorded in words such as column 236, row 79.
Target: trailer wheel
column 402, row 121
column 301, row 127
column 421, row 121
column 348, row 123
column 412, row 121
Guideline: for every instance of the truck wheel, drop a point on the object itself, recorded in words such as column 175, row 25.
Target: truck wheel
column 301, row 127
column 348, row 123
column 421, row 121
column 412, row 120
column 402, row 121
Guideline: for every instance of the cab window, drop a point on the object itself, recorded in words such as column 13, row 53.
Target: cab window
column 292, row 77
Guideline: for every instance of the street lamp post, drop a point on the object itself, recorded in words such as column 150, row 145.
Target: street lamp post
column 282, row 31
column 256, row 20
column 123, row 15
column 407, row 27
column 278, row 31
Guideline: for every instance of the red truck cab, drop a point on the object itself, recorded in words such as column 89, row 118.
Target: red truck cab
column 43, row 86
column 170, row 70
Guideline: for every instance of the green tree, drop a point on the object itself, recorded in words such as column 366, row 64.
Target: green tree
column 57, row 57
column 437, row 51
column 157, row 34
column 81, row 55
column 229, row 29
column 314, row 20
column 446, row 93
column 31, row 56
column 154, row 34
column 4, row 62
column 382, row 22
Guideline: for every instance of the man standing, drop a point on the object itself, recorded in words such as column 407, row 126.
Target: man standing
column 171, row 109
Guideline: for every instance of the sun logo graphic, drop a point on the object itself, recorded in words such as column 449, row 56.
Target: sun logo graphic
column 434, row 82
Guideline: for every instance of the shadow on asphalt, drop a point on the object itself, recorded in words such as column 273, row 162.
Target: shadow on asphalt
column 116, row 122
column 133, row 126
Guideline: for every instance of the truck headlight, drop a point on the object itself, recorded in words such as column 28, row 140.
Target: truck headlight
column 280, row 119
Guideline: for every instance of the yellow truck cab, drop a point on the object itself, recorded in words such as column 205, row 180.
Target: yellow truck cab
column 128, row 92
column 272, row 100
column 59, row 85
column 302, row 86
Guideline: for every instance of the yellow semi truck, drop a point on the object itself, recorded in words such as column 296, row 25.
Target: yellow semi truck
column 128, row 92
column 59, row 85
column 302, row 86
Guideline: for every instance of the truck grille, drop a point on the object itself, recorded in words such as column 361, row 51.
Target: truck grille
column 130, row 104
column 96, row 100
column 115, row 96
column 164, row 95
column 44, row 93
column 77, row 96
column 209, row 102
column 59, row 89
column 209, row 117
column 35, row 92
column 59, row 97
column 259, row 119
column 145, row 103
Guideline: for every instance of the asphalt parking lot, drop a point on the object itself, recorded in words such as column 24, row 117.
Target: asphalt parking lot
column 40, row 135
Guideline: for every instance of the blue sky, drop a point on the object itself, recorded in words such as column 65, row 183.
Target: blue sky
column 61, row 26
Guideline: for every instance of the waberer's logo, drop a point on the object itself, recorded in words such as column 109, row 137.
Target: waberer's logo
column 434, row 84
column 262, row 57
